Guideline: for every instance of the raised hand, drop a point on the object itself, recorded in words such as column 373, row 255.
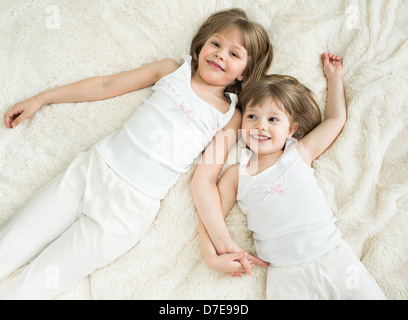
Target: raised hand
column 332, row 65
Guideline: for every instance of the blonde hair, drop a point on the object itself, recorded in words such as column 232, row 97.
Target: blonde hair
column 254, row 37
column 298, row 101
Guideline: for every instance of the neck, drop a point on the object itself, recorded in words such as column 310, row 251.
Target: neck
column 203, row 88
column 261, row 162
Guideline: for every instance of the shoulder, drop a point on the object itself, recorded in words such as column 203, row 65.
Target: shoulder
column 236, row 119
column 230, row 179
column 237, row 116
column 304, row 153
column 167, row 66
column 232, row 174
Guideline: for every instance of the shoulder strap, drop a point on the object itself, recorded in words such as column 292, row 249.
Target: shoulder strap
column 243, row 160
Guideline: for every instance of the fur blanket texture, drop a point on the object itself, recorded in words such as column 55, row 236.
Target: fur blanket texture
column 364, row 175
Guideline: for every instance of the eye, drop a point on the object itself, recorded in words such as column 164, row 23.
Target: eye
column 251, row 116
column 234, row 54
column 273, row 119
column 215, row 44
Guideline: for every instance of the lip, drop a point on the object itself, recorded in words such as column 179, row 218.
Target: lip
column 260, row 138
column 214, row 65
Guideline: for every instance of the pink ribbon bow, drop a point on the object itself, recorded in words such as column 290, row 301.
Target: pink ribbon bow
column 273, row 189
column 185, row 110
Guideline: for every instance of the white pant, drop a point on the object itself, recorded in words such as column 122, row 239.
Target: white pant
column 82, row 220
column 338, row 275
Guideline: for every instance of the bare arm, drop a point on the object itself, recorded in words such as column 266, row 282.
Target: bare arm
column 92, row 89
column 204, row 186
column 335, row 116
column 229, row 262
column 227, row 187
column 207, row 197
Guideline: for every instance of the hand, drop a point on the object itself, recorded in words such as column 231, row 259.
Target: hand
column 253, row 261
column 230, row 246
column 21, row 111
column 227, row 262
column 332, row 66
column 230, row 262
column 246, row 261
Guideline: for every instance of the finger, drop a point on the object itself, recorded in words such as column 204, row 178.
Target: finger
column 13, row 113
column 8, row 117
column 257, row 261
column 323, row 56
column 237, row 255
column 247, row 266
column 235, row 263
column 325, row 59
column 337, row 61
column 7, row 121
column 236, row 274
column 235, row 266
column 335, row 58
column 26, row 113
column 20, row 118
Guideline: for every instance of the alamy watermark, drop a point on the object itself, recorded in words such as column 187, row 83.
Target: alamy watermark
column 353, row 17
column 53, row 21
column 52, row 281
column 180, row 148
column 353, row 278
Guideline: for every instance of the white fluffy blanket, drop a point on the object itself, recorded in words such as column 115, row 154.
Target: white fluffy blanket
column 364, row 175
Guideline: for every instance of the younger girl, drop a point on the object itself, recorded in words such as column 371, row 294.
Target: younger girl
column 107, row 198
column 274, row 185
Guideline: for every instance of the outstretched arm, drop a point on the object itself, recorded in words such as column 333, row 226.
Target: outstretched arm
column 204, row 185
column 205, row 192
column 335, row 116
column 238, row 262
column 92, row 89
column 228, row 262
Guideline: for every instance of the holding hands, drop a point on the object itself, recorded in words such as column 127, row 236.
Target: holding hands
column 236, row 263
column 232, row 258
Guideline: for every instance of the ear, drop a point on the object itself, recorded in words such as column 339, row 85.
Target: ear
column 292, row 130
column 242, row 76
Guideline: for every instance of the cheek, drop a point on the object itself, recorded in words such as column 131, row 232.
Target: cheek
column 200, row 57
column 245, row 126
column 241, row 67
column 237, row 68
column 243, row 131
column 203, row 53
column 206, row 50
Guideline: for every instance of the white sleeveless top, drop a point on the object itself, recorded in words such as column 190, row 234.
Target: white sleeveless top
column 165, row 135
column 286, row 210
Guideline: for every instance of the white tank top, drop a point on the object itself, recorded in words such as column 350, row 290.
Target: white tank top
column 286, row 210
column 165, row 135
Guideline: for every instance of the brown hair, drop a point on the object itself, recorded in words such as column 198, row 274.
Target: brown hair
column 288, row 93
column 254, row 37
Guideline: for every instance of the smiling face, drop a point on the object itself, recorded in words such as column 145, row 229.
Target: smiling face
column 223, row 59
column 266, row 127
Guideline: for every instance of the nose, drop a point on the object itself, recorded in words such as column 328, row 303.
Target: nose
column 220, row 54
column 257, row 128
column 261, row 124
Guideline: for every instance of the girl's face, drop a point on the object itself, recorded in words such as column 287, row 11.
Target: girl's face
column 266, row 127
column 223, row 59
